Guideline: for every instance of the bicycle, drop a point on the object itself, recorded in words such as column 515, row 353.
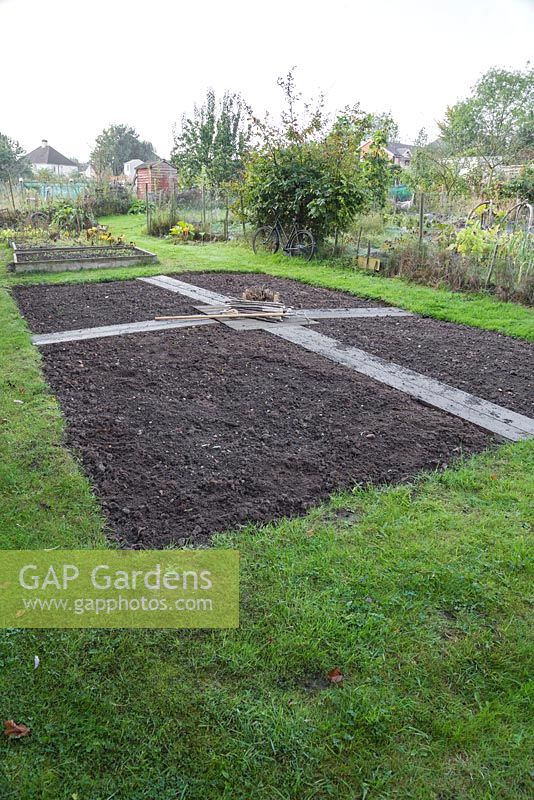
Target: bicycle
column 298, row 241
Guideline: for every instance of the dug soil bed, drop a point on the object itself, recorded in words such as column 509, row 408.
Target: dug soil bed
column 292, row 293
column 198, row 430
column 65, row 307
column 489, row 365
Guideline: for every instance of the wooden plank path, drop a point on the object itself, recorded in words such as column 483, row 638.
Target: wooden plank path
column 351, row 313
column 187, row 289
column 474, row 409
column 116, row 330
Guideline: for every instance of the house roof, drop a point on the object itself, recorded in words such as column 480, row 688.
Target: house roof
column 48, row 155
column 399, row 149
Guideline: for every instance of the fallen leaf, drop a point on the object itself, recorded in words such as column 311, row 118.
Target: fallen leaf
column 15, row 730
column 335, row 675
column 20, row 612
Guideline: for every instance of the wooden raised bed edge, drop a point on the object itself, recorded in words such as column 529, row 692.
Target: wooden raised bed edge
column 70, row 265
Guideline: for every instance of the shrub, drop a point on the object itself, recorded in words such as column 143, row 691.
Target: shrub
column 162, row 220
column 140, row 206
column 10, row 218
column 313, row 172
column 69, row 216
column 522, row 187
column 183, row 231
column 308, row 183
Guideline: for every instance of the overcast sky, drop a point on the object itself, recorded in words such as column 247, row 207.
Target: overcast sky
column 69, row 68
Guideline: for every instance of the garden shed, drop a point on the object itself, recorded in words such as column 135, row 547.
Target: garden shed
column 155, row 176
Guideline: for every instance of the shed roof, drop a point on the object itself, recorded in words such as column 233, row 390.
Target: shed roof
column 147, row 164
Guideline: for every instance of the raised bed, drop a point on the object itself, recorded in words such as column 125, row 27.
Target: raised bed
column 61, row 259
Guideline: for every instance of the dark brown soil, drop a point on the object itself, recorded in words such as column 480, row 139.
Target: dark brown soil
column 197, row 430
column 487, row 364
column 292, row 293
column 66, row 307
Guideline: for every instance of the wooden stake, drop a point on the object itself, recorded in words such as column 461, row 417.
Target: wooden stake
column 227, row 315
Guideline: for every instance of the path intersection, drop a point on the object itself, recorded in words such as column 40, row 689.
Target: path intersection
column 297, row 328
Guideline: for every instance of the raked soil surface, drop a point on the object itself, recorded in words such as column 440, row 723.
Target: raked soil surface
column 487, row 364
column 192, row 431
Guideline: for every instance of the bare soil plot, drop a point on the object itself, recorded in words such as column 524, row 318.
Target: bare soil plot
column 193, row 431
column 292, row 293
column 62, row 307
column 486, row 364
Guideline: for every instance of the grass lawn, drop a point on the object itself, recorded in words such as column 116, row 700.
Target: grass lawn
column 418, row 593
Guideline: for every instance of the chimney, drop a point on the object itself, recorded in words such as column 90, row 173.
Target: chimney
column 45, row 143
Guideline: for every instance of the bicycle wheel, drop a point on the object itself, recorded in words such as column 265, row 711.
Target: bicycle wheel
column 265, row 240
column 38, row 219
column 301, row 244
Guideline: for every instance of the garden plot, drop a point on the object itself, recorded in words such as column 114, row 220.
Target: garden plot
column 71, row 306
column 191, row 431
column 487, row 364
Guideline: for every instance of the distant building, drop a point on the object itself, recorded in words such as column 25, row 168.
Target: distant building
column 130, row 167
column 45, row 157
column 155, row 176
column 397, row 152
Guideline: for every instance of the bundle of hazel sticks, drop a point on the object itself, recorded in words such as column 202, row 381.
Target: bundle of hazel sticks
column 237, row 308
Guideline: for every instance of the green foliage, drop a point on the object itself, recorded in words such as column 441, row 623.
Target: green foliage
column 496, row 122
column 522, row 187
column 312, row 172
column 116, row 145
column 140, row 206
column 183, row 231
column 474, row 240
column 12, row 162
column 433, row 169
column 377, row 171
column 69, row 216
column 213, row 143
column 162, row 220
column 309, row 184
column 385, row 124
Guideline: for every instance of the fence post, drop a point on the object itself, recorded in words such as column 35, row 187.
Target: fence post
column 242, row 207
column 227, row 212
column 421, row 216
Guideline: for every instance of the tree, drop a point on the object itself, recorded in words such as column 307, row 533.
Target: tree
column 433, row 168
column 312, row 171
column 213, row 143
column 384, row 123
column 496, row 123
column 116, row 145
column 13, row 165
